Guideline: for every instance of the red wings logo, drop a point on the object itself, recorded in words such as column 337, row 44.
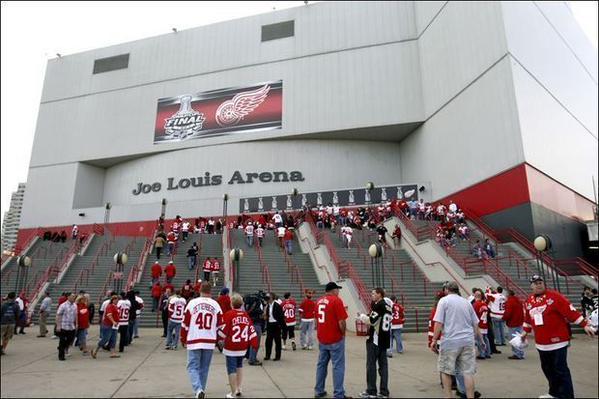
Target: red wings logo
column 231, row 112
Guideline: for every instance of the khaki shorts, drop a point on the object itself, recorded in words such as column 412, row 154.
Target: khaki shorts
column 457, row 361
column 7, row 331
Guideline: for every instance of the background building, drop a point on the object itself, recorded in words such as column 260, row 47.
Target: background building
column 12, row 218
column 491, row 104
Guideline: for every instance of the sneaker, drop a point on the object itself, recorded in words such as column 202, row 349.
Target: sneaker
column 304, row 348
column 200, row 394
column 255, row 363
column 389, row 354
column 54, row 337
column 367, row 395
column 293, row 346
column 546, row 396
column 496, row 352
column 41, row 336
column 167, row 348
column 239, row 393
column 380, row 395
column 310, row 347
column 267, row 358
column 230, row 395
column 276, row 359
column 94, row 353
column 320, row 395
column 515, row 358
column 284, row 347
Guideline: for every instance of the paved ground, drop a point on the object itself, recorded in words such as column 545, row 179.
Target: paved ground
column 31, row 369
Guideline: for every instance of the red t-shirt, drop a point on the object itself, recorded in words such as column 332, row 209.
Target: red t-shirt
column 307, row 309
column 82, row 316
column 215, row 266
column 170, row 270
column 156, row 291
column 156, row 270
column 114, row 311
column 61, row 300
column 168, row 285
column 330, row 310
column 207, row 266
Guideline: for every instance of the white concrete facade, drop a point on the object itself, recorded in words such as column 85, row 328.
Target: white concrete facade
column 443, row 94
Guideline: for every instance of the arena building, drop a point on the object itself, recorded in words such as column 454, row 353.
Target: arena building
column 493, row 105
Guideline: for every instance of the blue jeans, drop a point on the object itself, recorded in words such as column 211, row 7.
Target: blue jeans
column 172, row 333
column 306, row 334
column 107, row 336
column 486, row 352
column 233, row 363
column 517, row 352
column 192, row 262
column 250, row 240
column 289, row 246
column 335, row 353
column 136, row 327
column 170, row 248
column 459, row 382
column 396, row 337
column 198, row 365
column 499, row 331
column 254, row 352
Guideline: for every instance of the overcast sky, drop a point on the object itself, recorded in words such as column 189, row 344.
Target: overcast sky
column 33, row 32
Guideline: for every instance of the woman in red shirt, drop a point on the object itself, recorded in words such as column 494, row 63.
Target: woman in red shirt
column 82, row 322
column 108, row 328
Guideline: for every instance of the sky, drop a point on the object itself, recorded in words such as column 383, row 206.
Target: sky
column 33, row 32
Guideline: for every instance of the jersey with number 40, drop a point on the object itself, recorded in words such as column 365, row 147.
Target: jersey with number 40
column 202, row 319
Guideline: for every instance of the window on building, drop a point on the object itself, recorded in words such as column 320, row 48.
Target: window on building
column 111, row 63
column 278, row 30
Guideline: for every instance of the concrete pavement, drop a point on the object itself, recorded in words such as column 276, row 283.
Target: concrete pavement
column 31, row 369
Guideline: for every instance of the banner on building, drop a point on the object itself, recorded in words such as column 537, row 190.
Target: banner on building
column 342, row 198
column 219, row 112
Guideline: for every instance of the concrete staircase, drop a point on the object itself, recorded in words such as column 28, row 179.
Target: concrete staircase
column 210, row 245
column 90, row 271
column 43, row 254
column 401, row 276
column 292, row 274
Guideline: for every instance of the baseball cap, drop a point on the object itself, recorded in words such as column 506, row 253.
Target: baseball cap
column 535, row 278
column 331, row 286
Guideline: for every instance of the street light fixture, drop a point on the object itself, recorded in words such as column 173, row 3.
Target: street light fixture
column 542, row 244
column 23, row 265
column 236, row 255
column 120, row 259
column 369, row 188
column 376, row 252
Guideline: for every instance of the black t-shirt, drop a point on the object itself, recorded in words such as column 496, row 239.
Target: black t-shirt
column 381, row 230
column 380, row 324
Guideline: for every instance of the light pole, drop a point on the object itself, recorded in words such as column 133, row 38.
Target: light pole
column 542, row 244
column 376, row 262
column 120, row 259
column 235, row 255
column 23, row 265
column 225, row 202
column 369, row 188
column 107, row 217
column 163, row 208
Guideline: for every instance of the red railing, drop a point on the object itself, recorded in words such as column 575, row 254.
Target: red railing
column 266, row 280
column 98, row 229
column 137, row 269
column 295, row 272
column 18, row 249
column 82, row 280
column 104, row 286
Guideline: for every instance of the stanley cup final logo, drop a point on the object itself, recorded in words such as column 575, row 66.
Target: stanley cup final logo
column 186, row 122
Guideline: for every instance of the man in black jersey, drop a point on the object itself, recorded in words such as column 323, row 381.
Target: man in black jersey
column 379, row 338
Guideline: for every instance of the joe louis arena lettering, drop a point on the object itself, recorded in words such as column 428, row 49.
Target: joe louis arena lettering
column 216, row 180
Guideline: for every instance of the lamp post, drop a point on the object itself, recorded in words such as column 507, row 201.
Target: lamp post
column 294, row 193
column 23, row 265
column 376, row 262
column 236, row 255
column 120, row 259
column 369, row 188
column 542, row 244
column 225, row 202
column 107, row 217
column 163, row 208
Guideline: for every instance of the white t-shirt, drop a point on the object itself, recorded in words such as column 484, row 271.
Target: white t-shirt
column 260, row 232
column 281, row 231
column 277, row 218
column 185, row 226
column 496, row 305
column 249, row 230
column 141, row 305
column 453, row 208
column 104, row 304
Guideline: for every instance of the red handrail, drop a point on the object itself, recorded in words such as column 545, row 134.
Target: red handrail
column 294, row 270
column 82, row 273
column 266, row 280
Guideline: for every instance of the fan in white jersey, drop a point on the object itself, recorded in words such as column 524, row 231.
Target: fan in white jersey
column 176, row 308
column 124, row 307
column 348, row 235
column 201, row 321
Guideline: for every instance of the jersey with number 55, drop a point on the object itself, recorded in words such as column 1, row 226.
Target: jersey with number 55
column 238, row 333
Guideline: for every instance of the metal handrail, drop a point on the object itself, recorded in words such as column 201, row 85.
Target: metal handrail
column 82, row 273
column 294, row 269
column 264, row 269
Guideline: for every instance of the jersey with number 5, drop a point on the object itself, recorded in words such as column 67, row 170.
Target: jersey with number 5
column 201, row 321
column 176, row 307
column 330, row 310
column 238, row 333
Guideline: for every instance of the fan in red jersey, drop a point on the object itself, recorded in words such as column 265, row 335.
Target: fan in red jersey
column 237, row 334
column 547, row 313
column 289, row 306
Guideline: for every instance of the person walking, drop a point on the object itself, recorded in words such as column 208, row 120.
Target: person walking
column 156, row 272
column 164, row 300
column 159, row 242
column 66, row 325
column 482, row 312
column 330, row 330
column 289, row 306
column 109, row 325
column 192, row 256
column 236, row 335
column 497, row 308
column 288, row 239
column 249, row 234
column 254, row 306
column 124, row 307
column 44, row 312
column 455, row 317
column 379, row 339
column 514, row 318
column 307, row 310
column 156, row 292
column 275, row 322
column 176, row 308
column 82, row 323
column 548, row 314
column 9, row 314
column 170, row 271
column 201, row 321
column 207, row 269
